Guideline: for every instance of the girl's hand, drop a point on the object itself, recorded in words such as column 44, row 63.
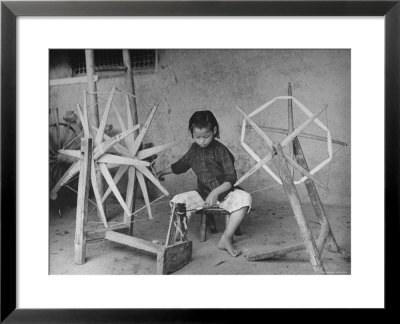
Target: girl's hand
column 211, row 200
column 159, row 176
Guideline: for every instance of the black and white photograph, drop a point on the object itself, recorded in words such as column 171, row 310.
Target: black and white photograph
column 199, row 161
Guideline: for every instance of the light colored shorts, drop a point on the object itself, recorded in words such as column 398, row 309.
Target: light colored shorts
column 235, row 200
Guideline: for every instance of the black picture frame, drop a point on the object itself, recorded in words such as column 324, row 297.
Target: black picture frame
column 10, row 10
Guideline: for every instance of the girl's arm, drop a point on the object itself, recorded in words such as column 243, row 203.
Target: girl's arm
column 213, row 196
column 164, row 172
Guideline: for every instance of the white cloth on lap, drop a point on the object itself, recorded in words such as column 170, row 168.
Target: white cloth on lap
column 235, row 200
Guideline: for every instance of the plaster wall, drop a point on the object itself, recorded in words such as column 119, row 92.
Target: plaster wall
column 190, row 80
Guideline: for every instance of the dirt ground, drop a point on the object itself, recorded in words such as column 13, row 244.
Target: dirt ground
column 268, row 226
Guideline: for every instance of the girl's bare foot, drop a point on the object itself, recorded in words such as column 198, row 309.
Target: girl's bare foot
column 225, row 244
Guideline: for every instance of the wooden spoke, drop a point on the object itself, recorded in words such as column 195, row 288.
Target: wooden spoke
column 154, row 150
column 105, row 146
column 130, row 190
column 139, row 139
column 254, row 168
column 128, row 111
column 73, row 153
column 152, row 178
column 83, row 121
column 117, row 177
column 118, row 147
column 113, row 187
column 257, row 129
column 96, row 192
column 129, row 140
column 72, row 170
column 304, row 172
column 85, row 112
column 142, row 184
column 116, row 159
column 302, row 135
column 299, row 129
column 100, row 133
column 120, row 121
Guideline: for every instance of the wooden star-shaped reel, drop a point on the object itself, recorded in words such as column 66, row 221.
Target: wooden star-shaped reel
column 130, row 157
column 282, row 162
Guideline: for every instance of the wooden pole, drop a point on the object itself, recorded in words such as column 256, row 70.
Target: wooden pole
column 303, row 135
column 93, row 112
column 93, row 109
column 130, row 85
column 290, row 125
column 82, row 201
column 326, row 231
column 294, row 200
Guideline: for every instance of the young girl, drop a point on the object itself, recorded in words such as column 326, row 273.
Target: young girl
column 213, row 165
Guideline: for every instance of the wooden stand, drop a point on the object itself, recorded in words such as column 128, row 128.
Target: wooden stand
column 169, row 258
column 82, row 201
column 309, row 244
column 174, row 255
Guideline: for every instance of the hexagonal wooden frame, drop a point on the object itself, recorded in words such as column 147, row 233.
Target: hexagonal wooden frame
column 286, row 141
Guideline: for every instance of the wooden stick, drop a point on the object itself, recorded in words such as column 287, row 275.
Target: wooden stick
column 72, row 170
column 105, row 146
column 83, row 121
column 85, row 112
column 139, row 138
column 299, row 129
column 82, row 201
column 110, row 158
column 134, row 242
column 128, row 112
column 129, row 140
column 73, row 153
column 294, row 200
column 100, row 133
column 131, row 107
column 105, row 229
column 143, row 186
column 118, row 147
column 97, row 195
column 154, row 150
column 302, row 135
column 290, row 125
column 116, row 179
column 255, row 256
column 120, row 120
column 152, row 178
column 129, row 195
column 304, row 172
column 113, row 187
column 325, row 231
column 58, row 129
column 254, row 168
column 92, row 115
column 257, row 129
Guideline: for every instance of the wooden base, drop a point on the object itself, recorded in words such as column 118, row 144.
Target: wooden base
column 174, row 257
column 169, row 258
column 275, row 253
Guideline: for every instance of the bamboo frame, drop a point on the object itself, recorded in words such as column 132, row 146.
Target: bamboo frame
column 282, row 163
column 132, row 158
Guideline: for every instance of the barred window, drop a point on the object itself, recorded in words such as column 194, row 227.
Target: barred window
column 111, row 60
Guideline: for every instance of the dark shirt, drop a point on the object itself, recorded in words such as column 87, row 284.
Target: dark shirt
column 212, row 165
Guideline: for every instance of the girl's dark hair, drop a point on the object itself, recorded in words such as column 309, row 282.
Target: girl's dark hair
column 202, row 119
